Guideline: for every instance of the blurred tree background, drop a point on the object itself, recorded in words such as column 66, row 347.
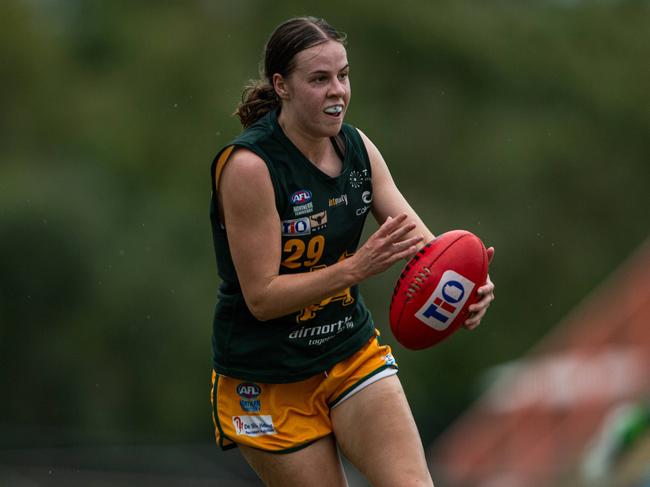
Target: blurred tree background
column 524, row 122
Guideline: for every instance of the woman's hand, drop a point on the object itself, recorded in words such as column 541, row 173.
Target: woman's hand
column 385, row 247
column 486, row 291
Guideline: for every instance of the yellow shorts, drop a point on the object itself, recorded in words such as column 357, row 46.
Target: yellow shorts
column 282, row 418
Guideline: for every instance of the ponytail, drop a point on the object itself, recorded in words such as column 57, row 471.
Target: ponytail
column 258, row 99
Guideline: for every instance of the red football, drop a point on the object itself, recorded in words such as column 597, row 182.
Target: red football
column 436, row 288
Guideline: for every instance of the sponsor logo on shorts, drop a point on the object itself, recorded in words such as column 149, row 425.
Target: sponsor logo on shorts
column 253, row 406
column 338, row 201
column 260, row 425
column 249, row 392
column 446, row 301
column 389, row 359
column 318, row 221
column 298, row 226
column 301, row 197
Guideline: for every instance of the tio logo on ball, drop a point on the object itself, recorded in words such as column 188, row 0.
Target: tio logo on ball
column 446, row 301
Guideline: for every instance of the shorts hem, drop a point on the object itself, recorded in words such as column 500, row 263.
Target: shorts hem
column 228, row 446
column 295, row 448
column 278, row 452
column 350, row 390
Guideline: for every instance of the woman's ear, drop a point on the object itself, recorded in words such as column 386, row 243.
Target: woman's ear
column 280, row 86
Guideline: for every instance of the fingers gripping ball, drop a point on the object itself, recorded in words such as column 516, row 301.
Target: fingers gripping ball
column 436, row 288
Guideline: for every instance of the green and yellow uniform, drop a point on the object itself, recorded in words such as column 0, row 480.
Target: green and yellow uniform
column 314, row 358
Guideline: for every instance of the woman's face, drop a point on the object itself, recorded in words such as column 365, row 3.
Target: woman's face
column 317, row 92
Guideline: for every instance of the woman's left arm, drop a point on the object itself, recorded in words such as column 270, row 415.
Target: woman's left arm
column 388, row 201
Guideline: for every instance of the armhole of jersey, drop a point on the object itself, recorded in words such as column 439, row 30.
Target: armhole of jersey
column 221, row 163
column 218, row 165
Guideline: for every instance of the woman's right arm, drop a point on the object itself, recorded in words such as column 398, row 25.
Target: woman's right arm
column 247, row 201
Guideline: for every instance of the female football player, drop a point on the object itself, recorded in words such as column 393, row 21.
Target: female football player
column 298, row 368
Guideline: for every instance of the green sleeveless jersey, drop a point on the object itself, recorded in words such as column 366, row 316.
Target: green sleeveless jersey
column 322, row 218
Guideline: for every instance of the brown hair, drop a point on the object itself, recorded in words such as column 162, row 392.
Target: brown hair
column 287, row 40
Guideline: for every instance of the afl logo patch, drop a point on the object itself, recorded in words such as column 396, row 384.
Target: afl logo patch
column 249, row 393
column 301, row 197
column 248, row 390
